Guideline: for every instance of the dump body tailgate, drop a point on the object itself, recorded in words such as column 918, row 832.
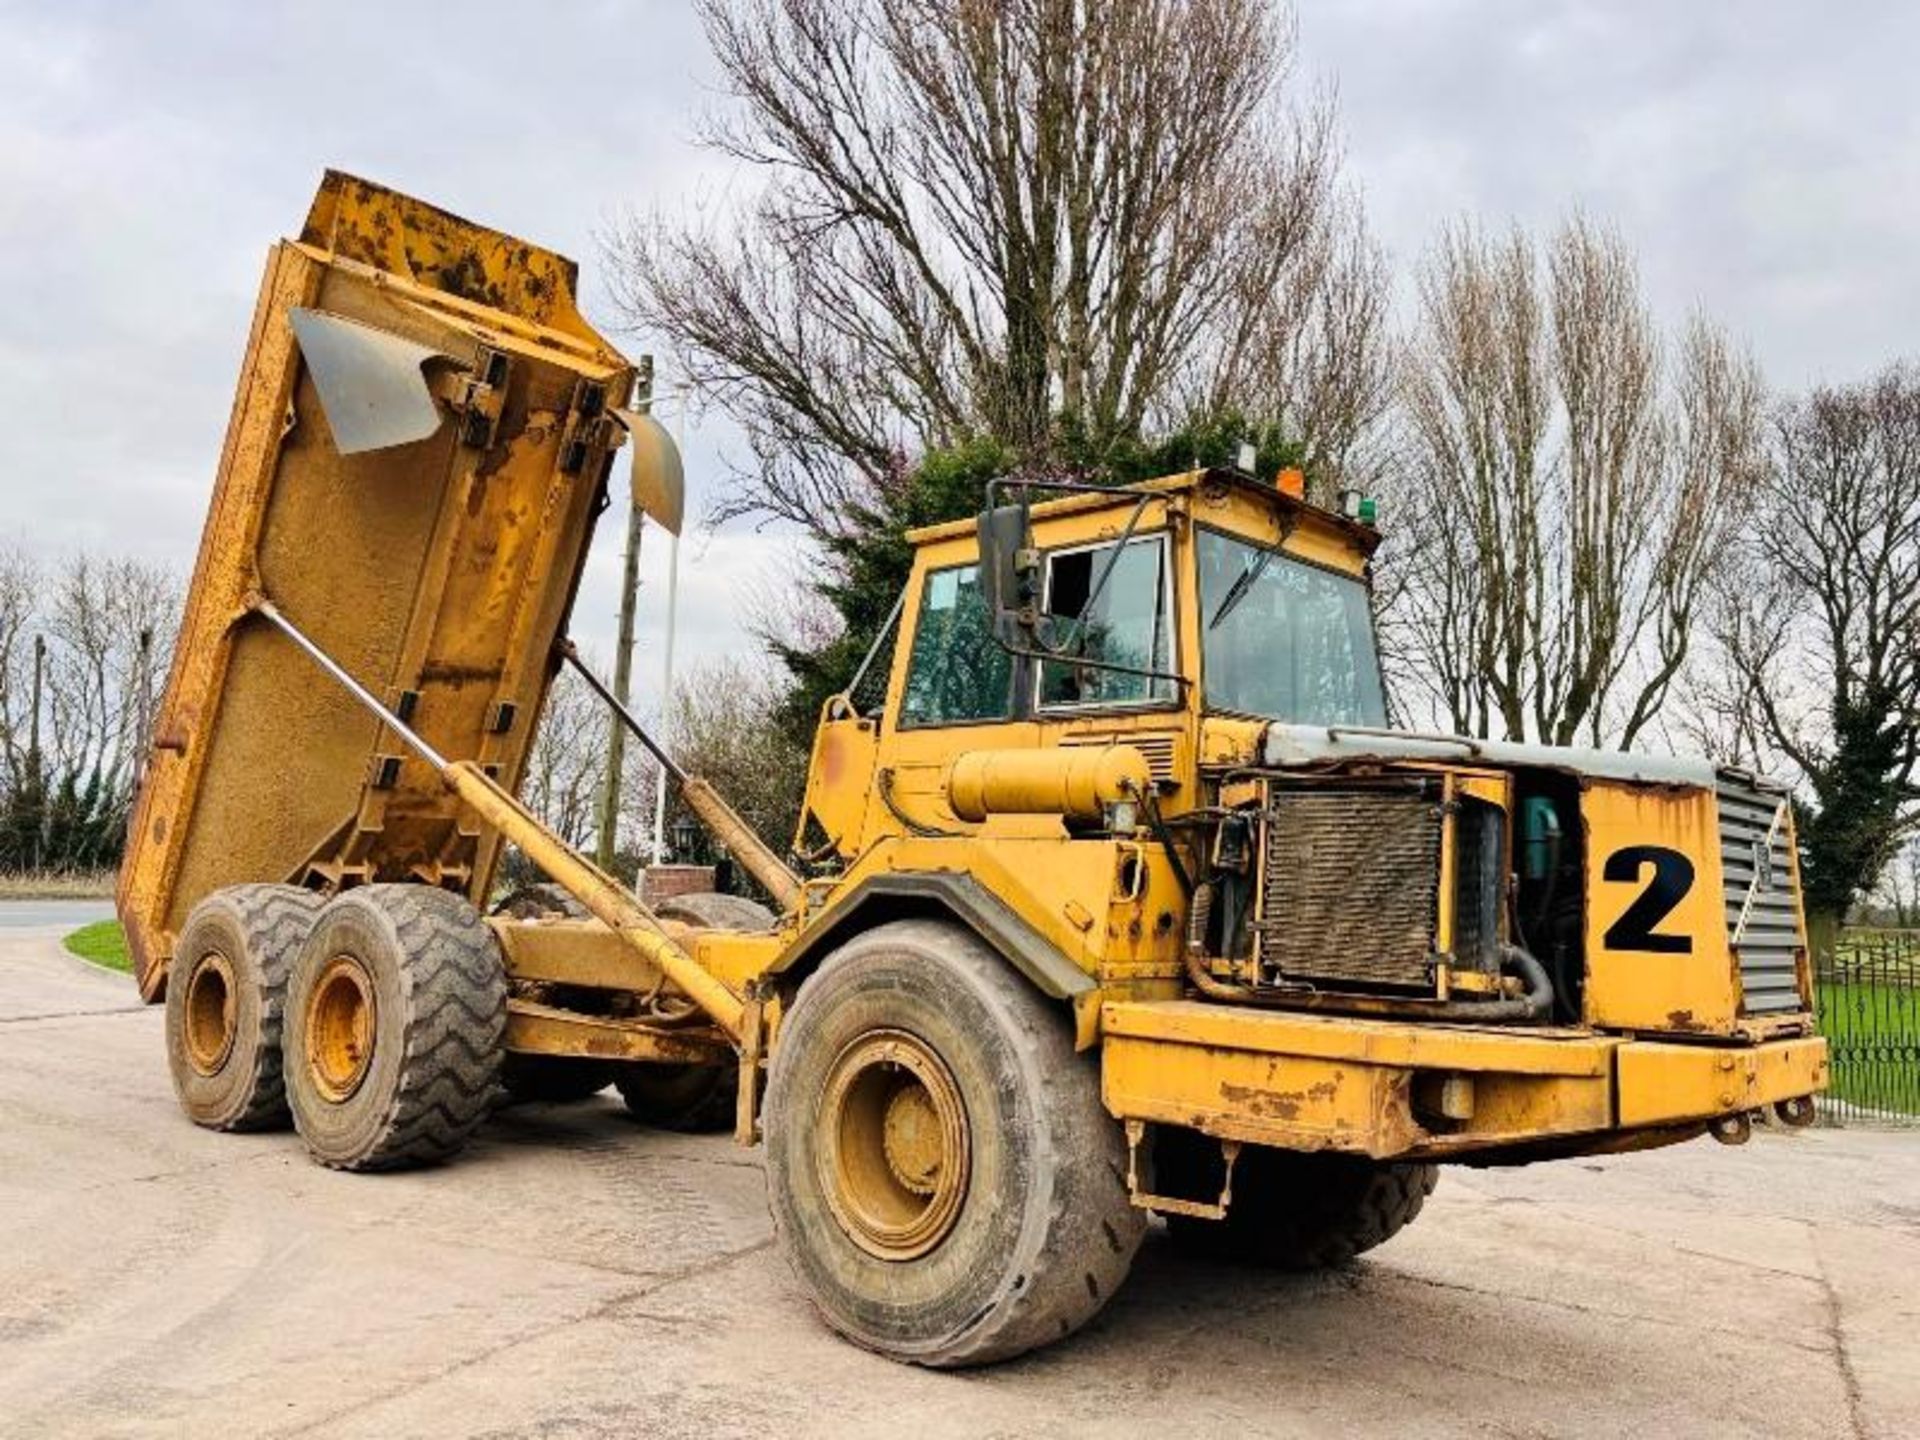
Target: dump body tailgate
column 418, row 448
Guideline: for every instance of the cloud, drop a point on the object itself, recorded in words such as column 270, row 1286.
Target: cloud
column 1763, row 159
column 150, row 154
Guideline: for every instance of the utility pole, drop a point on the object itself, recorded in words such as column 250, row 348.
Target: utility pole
column 608, row 827
column 143, row 725
column 35, row 780
column 33, row 724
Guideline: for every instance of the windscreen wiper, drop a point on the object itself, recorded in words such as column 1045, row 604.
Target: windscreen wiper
column 1242, row 583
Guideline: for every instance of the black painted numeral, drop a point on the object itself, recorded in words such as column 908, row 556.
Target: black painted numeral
column 1672, row 879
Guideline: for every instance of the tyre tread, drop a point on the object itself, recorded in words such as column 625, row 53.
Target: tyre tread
column 454, row 994
column 1092, row 1229
column 273, row 921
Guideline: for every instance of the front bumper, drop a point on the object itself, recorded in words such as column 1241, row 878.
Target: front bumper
column 1396, row 1090
column 1660, row 1084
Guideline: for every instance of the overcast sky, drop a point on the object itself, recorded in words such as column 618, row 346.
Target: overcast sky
column 1762, row 158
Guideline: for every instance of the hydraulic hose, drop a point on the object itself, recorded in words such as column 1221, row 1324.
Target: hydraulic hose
column 1195, row 953
column 1534, row 1003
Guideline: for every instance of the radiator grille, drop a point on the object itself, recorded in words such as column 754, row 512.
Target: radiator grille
column 1768, row 950
column 1350, row 885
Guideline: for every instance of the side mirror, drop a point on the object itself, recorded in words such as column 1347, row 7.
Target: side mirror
column 1007, row 565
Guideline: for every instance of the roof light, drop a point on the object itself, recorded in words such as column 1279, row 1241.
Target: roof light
column 1292, row 482
column 1356, row 506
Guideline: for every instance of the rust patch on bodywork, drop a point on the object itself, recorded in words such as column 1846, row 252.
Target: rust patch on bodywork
column 1277, row 1104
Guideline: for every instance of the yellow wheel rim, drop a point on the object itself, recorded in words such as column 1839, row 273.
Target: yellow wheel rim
column 209, row 1012
column 895, row 1147
column 340, row 1028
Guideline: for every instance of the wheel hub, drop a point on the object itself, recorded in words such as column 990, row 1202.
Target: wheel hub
column 340, row 1028
column 912, row 1140
column 895, row 1145
column 210, row 1013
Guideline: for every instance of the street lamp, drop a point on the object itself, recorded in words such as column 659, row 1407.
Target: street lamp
column 686, row 835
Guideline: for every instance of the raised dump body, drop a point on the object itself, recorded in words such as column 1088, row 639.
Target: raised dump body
column 421, row 440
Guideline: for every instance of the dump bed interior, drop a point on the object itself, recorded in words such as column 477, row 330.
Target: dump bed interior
column 419, row 446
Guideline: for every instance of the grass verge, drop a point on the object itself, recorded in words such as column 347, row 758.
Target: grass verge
column 104, row 943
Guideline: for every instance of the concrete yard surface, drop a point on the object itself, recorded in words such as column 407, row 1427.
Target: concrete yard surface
column 575, row 1274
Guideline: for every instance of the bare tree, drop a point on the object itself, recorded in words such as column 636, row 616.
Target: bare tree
column 568, row 759
column 1569, row 491
column 783, row 608
column 1820, row 627
column 110, row 624
column 723, row 729
column 1302, row 342
column 99, row 633
column 980, row 216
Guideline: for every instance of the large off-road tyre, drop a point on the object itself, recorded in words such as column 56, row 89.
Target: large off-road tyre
column 713, row 911
column 553, row 1079
column 225, row 991
column 689, row 1099
column 542, row 900
column 942, row 1176
column 693, row 1099
column 395, row 1012
column 1290, row 1211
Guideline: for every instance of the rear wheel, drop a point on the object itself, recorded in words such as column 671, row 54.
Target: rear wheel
column 395, row 1012
column 693, row 1099
column 553, row 1079
column 541, row 901
column 942, row 1175
column 1290, row 1211
column 711, row 910
column 225, row 990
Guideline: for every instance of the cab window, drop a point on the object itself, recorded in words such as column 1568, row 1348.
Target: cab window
column 957, row 672
column 1123, row 622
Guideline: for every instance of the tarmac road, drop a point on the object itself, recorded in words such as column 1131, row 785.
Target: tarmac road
column 57, row 915
column 574, row 1274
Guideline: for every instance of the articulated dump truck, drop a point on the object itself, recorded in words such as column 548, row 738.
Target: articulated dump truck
column 1114, row 894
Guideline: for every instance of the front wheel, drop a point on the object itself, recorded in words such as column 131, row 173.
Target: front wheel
column 942, row 1175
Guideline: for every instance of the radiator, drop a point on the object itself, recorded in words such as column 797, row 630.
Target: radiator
column 1349, row 884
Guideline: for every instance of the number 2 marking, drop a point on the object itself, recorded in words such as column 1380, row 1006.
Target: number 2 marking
column 1672, row 879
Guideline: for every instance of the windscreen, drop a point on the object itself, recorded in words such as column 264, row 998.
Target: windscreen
column 1284, row 639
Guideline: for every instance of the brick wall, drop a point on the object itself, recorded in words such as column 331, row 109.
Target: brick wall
column 662, row 882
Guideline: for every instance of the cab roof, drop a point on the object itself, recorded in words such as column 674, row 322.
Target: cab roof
column 1364, row 538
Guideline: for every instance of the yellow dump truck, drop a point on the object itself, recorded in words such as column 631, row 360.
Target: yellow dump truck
column 1114, row 894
